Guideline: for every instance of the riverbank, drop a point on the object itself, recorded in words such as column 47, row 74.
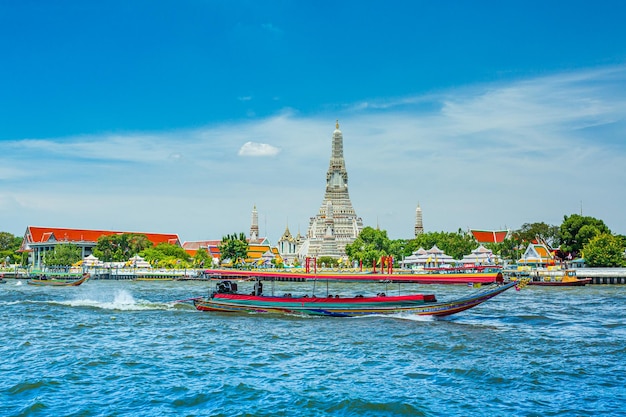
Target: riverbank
column 599, row 276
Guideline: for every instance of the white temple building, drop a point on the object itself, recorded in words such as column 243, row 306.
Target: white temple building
column 480, row 256
column 336, row 224
column 431, row 258
column 288, row 246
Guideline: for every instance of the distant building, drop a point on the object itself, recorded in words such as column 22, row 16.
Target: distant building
column 39, row 240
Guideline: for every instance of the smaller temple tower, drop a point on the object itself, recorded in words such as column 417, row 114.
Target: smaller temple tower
column 419, row 226
column 288, row 246
column 254, row 227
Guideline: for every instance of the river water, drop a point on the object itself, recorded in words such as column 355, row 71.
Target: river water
column 113, row 348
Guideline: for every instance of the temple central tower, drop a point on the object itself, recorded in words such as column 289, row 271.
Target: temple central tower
column 336, row 224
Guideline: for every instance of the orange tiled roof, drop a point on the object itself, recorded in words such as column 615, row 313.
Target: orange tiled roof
column 490, row 236
column 195, row 245
column 543, row 252
column 212, row 246
column 45, row 234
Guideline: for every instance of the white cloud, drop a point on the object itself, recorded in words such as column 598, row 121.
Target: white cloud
column 258, row 149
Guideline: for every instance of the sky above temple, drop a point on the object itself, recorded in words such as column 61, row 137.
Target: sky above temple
column 180, row 117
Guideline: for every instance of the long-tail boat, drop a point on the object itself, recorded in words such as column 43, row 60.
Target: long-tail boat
column 44, row 280
column 475, row 275
column 226, row 299
column 565, row 281
column 549, row 278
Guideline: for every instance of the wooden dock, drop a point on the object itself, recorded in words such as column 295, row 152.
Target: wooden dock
column 611, row 276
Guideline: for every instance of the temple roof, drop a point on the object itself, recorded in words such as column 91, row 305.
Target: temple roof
column 286, row 236
column 490, row 236
column 36, row 235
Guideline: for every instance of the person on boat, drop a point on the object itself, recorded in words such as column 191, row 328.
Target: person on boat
column 258, row 288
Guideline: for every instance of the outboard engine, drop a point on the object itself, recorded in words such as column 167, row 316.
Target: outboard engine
column 226, row 287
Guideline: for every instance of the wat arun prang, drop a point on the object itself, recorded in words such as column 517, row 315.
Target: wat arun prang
column 336, row 225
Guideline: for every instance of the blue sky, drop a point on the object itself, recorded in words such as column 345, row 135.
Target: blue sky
column 179, row 117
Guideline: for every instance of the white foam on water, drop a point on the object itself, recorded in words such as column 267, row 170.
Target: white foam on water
column 403, row 316
column 10, row 303
column 122, row 300
column 414, row 317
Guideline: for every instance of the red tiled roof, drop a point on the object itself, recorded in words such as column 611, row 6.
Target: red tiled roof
column 489, row 236
column 195, row 245
column 210, row 245
column 45, row 234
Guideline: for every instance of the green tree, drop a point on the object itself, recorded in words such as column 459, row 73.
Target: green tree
column 369, row 246
column 577, row 230
column 234, row 247
column 153, row 256
column 167, row 255
column 399, row 248
column 327, row 261
column 604, row 250
column 9, row 245
column 136, row 243
column 64, row 254
column 202, row 259
column 173, row 251
column 510, row 248
column 119, row 248
column 542, row 231
column 454, row 244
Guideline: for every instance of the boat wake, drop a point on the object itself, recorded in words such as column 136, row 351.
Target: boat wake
column 122, row 301
column 401, row 316
column 413, row 317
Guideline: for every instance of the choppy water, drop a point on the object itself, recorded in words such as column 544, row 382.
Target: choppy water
column 124, row 348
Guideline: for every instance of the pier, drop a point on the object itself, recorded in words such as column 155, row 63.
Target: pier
column 603, row 275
